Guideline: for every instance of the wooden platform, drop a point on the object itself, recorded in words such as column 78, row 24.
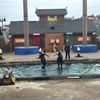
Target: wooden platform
column 8, row 81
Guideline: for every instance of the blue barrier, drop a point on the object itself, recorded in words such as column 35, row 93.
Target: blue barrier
column 89, row 48
column 26, row 50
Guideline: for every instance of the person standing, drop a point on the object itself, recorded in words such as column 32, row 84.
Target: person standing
column 40, row 49
column 59, row 60
column 67, row 51
column 42, row 56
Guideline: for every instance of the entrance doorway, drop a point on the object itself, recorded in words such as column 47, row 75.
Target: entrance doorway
column 36, row 40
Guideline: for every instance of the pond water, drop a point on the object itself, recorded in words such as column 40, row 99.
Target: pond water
column 32, row 70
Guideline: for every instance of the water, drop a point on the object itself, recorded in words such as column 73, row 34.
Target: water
column 51, row 70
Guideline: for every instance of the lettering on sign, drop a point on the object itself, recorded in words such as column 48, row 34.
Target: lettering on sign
column 19, row 40
column 52, row 18
column 80, row 39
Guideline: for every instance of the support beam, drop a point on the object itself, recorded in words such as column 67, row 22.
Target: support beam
column 26, row 24
column 84, row 26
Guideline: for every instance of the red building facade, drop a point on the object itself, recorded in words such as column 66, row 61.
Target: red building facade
column 52, row 37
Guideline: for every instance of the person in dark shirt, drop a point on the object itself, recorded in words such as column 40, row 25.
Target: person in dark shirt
column 67, row 51
column 59, row 60
column 43, row 59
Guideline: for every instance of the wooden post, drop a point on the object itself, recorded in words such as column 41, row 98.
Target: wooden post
column 26, row 24
column 84, row 26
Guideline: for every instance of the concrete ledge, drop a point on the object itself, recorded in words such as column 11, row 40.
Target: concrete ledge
column 57, row 77
column 52, row 62
column 60, row 77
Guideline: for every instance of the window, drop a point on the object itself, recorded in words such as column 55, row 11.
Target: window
column 52, row 28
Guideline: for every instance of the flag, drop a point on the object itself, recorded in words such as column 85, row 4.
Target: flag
column 6, row 39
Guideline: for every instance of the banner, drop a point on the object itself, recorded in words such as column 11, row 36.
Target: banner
column 52, row 18
column 80, row 39
column 6, row 39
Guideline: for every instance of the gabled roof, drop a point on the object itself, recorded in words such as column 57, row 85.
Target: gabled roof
column 41, row 12
column 16, row 28
column 74, row 26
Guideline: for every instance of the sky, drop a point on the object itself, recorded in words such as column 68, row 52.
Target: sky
column 12, row 10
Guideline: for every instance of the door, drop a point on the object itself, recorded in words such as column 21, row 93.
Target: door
column 36, row 40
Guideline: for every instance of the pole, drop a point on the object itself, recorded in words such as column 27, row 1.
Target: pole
column 84, row 27
column 26, row 25
column 1, row 25
column 2, row 20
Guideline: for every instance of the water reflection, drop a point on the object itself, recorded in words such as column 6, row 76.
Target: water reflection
column 44, row 73
column 59, row 72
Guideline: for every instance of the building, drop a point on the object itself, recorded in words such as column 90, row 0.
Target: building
column 74, row 31
column 47, row 32
column 51, row 30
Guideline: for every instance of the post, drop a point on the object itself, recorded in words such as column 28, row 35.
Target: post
column 2, row 20
column 26, row 25
column 84, row 26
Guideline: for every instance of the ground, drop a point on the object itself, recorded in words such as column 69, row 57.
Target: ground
column 10, row 57
column 68, row 89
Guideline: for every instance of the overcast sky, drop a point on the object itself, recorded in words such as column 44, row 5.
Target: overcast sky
column 12, row 10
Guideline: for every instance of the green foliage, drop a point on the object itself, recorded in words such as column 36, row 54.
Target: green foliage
column 98, row 31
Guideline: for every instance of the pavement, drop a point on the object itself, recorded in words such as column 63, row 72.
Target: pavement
column 64, row 89
column 10, row 57
column 72, row 89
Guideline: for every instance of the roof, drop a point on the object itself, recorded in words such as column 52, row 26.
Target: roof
column 74, row 26
column 41, row 12
column 16, row 28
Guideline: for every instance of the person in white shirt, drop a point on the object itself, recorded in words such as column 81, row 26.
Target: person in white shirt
column 78, row 52
column 7, row 72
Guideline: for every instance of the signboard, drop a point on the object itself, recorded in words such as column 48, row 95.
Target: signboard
column 19, row 40
column 36, row 33
column 91, row 17
column 80, row 39
column 52, row 18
